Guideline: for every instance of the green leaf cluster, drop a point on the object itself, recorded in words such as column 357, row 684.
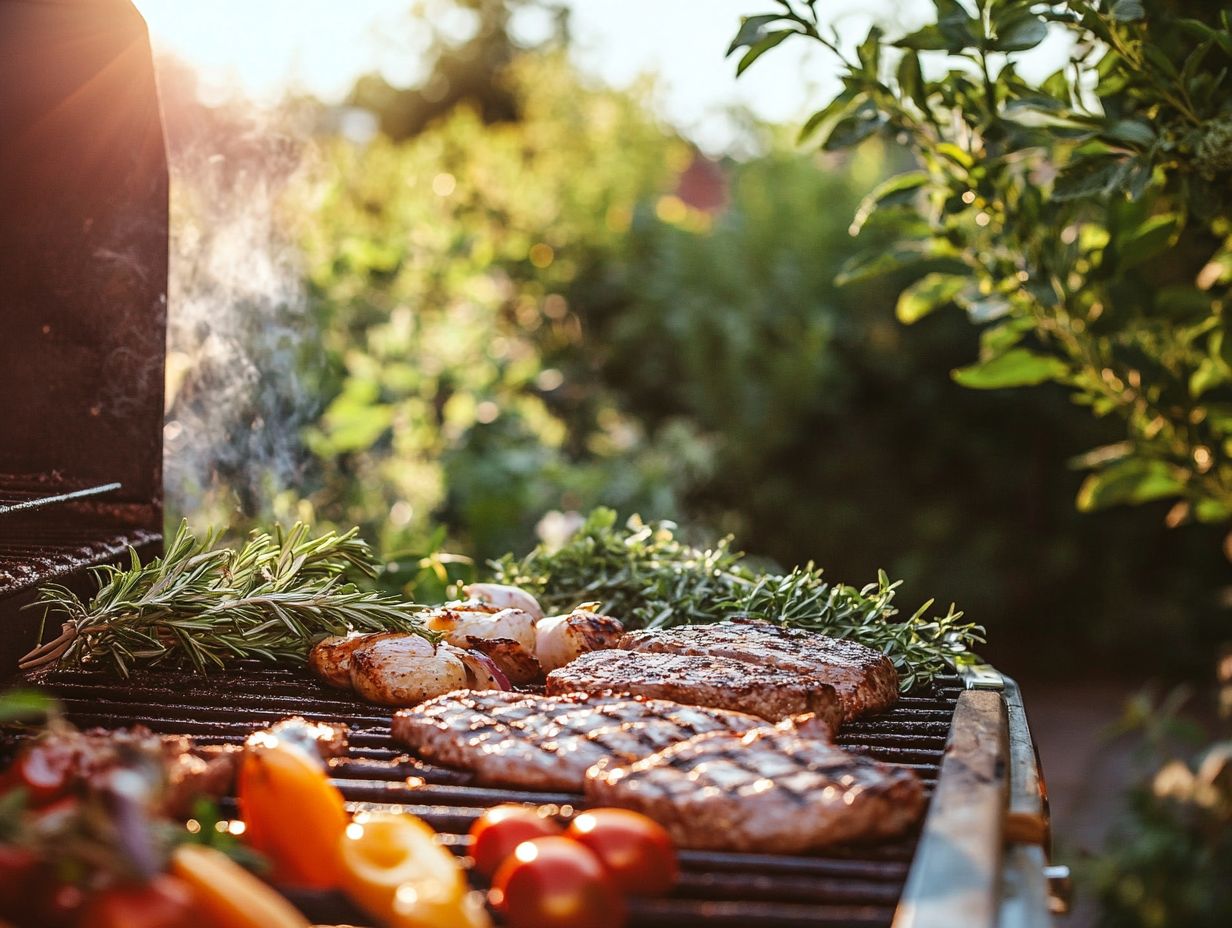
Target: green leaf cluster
column 1082, row 220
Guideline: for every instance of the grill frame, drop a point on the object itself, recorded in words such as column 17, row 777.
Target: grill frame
column 843, row 886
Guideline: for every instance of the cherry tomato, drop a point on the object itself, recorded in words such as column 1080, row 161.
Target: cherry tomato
column 636, row 851
column 44, row 770
column 501, row 829
column 163, row 902
column 555, row 882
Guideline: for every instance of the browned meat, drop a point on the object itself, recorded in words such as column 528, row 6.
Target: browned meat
column 548, row 742
column 718, row 682
column 774, row 790
column 865, row 680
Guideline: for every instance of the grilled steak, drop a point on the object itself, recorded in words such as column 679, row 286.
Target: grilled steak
column 718, row 682
column 776, row 790
column 548, row 742
column 865, row 680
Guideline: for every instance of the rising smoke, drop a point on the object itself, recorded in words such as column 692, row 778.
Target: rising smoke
column 239, row 325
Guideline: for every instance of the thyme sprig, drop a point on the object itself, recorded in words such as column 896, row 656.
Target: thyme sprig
column 649, row 578
column 201, row 605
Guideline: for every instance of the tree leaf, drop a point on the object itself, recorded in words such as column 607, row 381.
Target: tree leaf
column 1129, row 481
column 855, row 128
column 832, row 111
column 928, row 38
column 869, row 51
column 1018, row 367
column 761, row 47
column 911, row 79
column 930, row 292
column 897, row 190
column 1022, row 33
column 751, row 30
column 1146, row 241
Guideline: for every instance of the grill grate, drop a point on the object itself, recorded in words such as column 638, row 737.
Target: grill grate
column 844, row 886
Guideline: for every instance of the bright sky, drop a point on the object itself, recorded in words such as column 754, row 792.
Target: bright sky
column 260, row 48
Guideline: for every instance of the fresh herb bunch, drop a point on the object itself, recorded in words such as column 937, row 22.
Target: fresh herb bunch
column 201, row 606
column 648, row 578
column 1083, row 221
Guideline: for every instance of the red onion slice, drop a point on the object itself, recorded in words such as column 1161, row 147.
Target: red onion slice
column 489, row 667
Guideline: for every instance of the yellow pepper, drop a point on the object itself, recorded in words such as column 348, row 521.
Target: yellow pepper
column 229, row 895
column 393, row 868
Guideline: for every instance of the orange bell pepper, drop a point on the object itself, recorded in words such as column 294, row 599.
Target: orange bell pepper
column 292, row 813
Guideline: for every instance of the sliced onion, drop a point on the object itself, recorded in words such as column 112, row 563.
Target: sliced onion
column 488, row 665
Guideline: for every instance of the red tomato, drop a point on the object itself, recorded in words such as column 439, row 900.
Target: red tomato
column 501, row 829
column 163, row 902
column 555, row 882
column 636, row 851
column 44, row 770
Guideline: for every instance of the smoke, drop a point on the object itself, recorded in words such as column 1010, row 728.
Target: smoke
column 238, row 320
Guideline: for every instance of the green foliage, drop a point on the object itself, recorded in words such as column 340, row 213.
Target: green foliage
column 650, row 579
column 439, row 266
column 1089, row 214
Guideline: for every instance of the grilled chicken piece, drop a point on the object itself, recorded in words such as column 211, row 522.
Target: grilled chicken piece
column 505, row 635
column 561, row 638
column 865, row 680
column 506, row 597
column 330, row 658
column 548, row 742
column 717, row 682
column 401, row 670
column 774, row 790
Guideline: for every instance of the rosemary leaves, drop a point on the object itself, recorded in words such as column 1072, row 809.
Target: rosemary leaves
column 650, row 579
column 201, row 606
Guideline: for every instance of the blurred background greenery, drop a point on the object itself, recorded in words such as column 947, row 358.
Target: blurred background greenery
column 533, row 296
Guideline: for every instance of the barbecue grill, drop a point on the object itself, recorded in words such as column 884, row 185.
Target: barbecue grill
column 83, row 281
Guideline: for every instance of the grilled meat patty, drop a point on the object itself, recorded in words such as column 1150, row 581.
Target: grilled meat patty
column 774, row 789
column 548, row 742
column 866, row 681
column 717, row 682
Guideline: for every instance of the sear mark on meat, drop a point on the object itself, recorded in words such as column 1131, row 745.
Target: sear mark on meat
column 548, row 742
column 770, row 692
column 865, row 680
column 774, row 789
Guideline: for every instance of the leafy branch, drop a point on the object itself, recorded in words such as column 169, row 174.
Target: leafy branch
column 201, row 605
column 648, row 578
column 1084, row 220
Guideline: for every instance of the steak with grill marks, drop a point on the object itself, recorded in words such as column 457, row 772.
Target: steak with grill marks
column 774, row 789
column 548, row 742
column 764, row 690
column 865, row 680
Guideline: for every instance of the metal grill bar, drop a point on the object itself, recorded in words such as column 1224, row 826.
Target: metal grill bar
column 842, row 886
column 14, row 498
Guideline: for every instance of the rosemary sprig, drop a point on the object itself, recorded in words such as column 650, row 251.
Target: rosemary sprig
column 201, row 606
column 650, row 579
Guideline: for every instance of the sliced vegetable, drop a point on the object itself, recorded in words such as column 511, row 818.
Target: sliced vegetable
column 497, row 832
column 555, row 882
column 394, row 869
column 44, row 770
column 229, row 895
column 636, row 851
column 292, row 812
